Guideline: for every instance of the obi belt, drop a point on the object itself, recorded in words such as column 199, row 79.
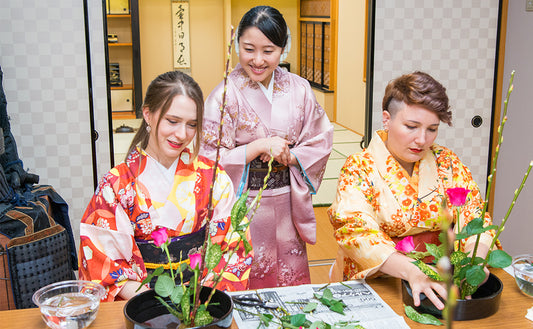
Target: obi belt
column 179, row 249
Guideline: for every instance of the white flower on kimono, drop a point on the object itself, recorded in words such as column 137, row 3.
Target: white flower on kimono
column 108, row 194
column 88, row 253
column 215, row 225
column 127, row 198
column 103, row 223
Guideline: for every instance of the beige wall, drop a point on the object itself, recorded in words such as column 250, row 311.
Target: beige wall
column 206, row 40
column 350, row 65
column 210, row 29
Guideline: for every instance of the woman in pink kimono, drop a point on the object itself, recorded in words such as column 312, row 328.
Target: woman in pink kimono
column 162, row 184
column 271, row 112
column 395, row 188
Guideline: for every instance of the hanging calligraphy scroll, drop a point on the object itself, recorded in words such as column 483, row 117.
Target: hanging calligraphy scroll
column 180, row 29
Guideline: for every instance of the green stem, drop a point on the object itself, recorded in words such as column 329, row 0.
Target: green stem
column 492, row 174
column 516, row 194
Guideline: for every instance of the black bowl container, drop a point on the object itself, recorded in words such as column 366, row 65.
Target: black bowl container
column 145, row 307
column 484, row 303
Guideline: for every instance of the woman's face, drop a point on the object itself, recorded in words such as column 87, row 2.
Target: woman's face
column 411, row 132
column 176, row 130
column 258, row 55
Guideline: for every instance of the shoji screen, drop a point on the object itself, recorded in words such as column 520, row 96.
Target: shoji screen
column 455, row 41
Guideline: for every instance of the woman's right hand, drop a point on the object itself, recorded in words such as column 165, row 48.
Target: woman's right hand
column 278, row 148
column 401, row 266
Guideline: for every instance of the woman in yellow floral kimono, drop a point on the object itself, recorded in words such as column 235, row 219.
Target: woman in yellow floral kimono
column 160, row 184
column 396, row 186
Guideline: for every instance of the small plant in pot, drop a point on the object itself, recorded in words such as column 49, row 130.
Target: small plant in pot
column 185, row 294
column 465, row 269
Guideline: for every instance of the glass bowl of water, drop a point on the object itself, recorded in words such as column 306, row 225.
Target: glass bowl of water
column 523, row 273
column 69, row 304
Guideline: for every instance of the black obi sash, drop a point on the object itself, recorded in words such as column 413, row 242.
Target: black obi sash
column 279, row 176
column 184, row 245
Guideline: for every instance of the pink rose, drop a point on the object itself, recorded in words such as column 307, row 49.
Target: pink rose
column 406, row 245
column 457, row 195
column 196, row 260
column 160, row 236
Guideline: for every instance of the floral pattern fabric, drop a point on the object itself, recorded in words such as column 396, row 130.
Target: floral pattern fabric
column 136, row 198
column 377, row 199
column 285, row 220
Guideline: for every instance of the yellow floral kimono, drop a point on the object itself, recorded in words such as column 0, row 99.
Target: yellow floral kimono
column 377, row 199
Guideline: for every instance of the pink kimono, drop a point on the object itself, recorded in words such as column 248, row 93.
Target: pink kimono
column 285, row 220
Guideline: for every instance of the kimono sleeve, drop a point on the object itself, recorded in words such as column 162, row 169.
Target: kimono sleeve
column 363, row 245
column 232, row 157
column 235, row 263
column 108, row 253
column 315, row 140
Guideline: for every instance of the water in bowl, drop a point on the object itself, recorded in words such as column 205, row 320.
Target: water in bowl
column 74, row 310
column 524, row 277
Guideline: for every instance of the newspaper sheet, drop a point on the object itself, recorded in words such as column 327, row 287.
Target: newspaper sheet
column 363, row 305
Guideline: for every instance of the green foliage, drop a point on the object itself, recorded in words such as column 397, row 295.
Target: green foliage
column 421, row 318
column 428, row 270
column 334, row 304
column 499, row 259
column 310, row 307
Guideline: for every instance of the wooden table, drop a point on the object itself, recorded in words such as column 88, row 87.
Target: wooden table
column 511, row 313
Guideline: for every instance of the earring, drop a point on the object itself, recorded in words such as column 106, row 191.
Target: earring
column 148, row 128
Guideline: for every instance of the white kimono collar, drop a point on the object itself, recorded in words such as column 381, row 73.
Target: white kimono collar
column 428, row 173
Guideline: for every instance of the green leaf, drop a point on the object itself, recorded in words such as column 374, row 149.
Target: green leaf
column 298, row 319
column 421, row 318
column 337, row 306
column 213, row 256
column 186, row 304
column 499, row 258
column 265, row 318
column 320, row 325
column 239, row 210
column 474, row 227
column 176, row 295
column 475, row 275
column 247, row 245
column 327, row 294
column 202, row 317
column 310, row 307
column 428, row 270
column 164, row 285
column 434, row 250
column 467, row 289
column 456, row 257
column 170, row 309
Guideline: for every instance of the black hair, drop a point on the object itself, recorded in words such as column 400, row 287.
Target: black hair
column 269, row 21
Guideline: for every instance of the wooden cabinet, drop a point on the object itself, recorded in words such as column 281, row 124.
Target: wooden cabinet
column 123, row 58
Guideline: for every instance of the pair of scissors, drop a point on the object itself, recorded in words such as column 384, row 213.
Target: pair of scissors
column 254, row 302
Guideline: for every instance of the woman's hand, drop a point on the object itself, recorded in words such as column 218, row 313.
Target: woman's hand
column 278, row 148
column 129, row 289
column 401, row 266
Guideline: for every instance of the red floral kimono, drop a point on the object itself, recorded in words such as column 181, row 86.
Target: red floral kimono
column 137, row 197
column 377, row 200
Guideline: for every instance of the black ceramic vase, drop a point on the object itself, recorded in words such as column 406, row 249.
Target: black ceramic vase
column 485, row 301
column 144, row 311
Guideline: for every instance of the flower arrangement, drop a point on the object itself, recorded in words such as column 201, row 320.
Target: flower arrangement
column 466, row 269
column 183, row 301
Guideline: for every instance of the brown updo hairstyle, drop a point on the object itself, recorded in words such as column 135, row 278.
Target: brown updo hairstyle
column 159, row 97
column 417, row 88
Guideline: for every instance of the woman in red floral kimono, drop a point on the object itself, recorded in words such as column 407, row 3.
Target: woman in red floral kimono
column 271, row 112
column 395, row 188
column 160, row 184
